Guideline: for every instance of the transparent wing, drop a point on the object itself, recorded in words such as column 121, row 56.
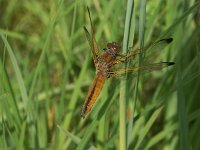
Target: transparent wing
column 92, row 41
column 148, row 68
column 133, row 53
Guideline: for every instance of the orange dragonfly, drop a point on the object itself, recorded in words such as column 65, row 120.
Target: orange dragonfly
column 105, row 63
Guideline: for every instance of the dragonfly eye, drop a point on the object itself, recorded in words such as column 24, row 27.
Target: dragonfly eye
column 114, row 46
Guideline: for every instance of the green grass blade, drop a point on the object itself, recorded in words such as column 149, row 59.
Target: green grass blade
column 184, row 141
column 19, row 77
column 147, row 127
column 87, row 135
column 170, row 30
column 122, row 99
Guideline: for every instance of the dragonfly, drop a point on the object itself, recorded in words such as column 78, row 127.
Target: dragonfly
column 105, row 62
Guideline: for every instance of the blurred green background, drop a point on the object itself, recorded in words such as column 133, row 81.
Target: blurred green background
column 46, row 69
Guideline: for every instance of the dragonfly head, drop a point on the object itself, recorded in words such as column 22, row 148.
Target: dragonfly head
column 114, row 47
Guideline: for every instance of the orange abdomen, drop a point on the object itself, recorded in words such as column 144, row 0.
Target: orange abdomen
column 93, row 93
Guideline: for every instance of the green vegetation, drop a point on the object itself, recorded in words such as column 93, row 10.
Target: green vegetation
column 46, row 69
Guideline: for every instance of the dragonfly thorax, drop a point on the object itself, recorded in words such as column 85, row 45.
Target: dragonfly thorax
column 102, row 66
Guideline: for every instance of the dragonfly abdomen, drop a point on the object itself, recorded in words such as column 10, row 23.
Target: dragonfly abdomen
column 93, row 93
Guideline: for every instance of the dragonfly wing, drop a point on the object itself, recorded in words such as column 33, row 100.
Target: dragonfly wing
column 92, row 40
column 133, row 53
column 148, row 68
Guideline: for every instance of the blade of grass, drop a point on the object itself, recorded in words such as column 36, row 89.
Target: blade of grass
column 131, row 39
column 74, row 98
column 74, row 138
column 161, row 136
column 122, row 99
column 102, row 122
column 45, row 47
column 3, row 137
column 141, row 40
column 19, row 77
column 184, row 141
column 8, row 100
column 87, row 135
column 21, row 137
column 147, row 127
column 12, row 34
column 169, row 31
column 75, row 93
